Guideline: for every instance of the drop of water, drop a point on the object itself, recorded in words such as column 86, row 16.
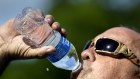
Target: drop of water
column 47, row 69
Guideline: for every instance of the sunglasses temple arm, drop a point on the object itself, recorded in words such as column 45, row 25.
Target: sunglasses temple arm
column 135, row 61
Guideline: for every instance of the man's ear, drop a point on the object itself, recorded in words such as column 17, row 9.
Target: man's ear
column 136, row 47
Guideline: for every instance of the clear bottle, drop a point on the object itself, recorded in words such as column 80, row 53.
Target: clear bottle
column 32, row 24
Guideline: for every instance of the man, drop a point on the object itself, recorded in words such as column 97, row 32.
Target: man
column 113, row 54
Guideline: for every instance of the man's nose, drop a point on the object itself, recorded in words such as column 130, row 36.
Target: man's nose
column 88, row 54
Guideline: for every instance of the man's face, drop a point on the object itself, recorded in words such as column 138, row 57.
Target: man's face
column 98, row 66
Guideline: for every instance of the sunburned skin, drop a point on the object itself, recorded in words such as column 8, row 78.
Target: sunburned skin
column 97, row 66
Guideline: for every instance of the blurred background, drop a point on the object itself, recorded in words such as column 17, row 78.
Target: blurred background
column 83, row 20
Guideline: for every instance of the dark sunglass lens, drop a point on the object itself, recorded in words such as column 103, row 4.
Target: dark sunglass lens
column 106, row 45
column 87, row 45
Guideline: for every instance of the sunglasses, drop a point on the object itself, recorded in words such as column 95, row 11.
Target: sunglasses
column 113, row 48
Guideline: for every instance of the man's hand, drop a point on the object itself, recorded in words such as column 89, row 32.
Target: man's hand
column 13, row 47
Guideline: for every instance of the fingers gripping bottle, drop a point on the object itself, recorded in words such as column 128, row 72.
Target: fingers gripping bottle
column 32, row 24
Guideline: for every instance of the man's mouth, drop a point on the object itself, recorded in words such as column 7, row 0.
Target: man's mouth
column 76, row 72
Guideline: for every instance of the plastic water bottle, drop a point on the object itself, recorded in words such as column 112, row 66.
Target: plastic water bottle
column 32, row 24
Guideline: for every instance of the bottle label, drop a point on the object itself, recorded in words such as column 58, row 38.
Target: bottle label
column 62, row 49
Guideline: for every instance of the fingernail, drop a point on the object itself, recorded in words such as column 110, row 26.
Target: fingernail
column 50, row 49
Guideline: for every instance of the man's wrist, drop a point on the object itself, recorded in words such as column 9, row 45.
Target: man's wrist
column 4, row 60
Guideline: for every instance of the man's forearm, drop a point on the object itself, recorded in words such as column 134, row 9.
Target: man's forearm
column 4, row 60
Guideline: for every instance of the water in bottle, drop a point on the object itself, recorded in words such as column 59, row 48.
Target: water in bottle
column 32, row 24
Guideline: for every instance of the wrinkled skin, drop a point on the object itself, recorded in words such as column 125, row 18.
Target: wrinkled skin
column 97, row 66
